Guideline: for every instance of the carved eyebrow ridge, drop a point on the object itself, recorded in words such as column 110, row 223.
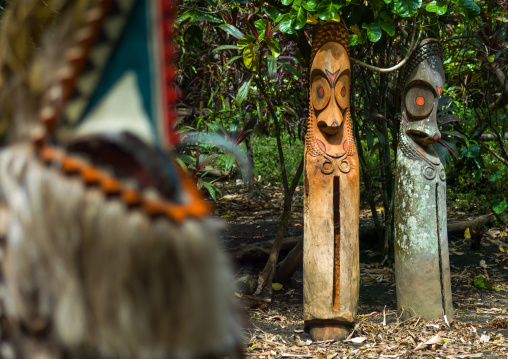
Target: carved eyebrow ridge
column 326, row 75
column 423, row 84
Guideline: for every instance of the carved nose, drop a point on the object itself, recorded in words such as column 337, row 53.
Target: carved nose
column 423, row 138
column 328, row 129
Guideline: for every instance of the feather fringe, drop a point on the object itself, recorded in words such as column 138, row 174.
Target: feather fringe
column 94, row 276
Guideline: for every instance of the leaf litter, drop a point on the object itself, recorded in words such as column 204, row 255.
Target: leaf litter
column 276, row 328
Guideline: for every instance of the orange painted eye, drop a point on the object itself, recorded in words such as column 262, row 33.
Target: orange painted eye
column 342, row 90
column 320, row 92
column 419, row 101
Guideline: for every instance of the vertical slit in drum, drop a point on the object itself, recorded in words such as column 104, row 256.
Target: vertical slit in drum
column 336, row 242
column 439, row 250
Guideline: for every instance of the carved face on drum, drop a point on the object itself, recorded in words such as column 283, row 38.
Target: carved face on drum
column 330, row 79
column 422, row 89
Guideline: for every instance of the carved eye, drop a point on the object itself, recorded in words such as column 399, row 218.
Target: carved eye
column 320, row 92
column 342, row 90
column 419, row 101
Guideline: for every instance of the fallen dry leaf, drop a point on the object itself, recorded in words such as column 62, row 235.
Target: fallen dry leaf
column 277, row 317
column 356, row 340
column 436, row 339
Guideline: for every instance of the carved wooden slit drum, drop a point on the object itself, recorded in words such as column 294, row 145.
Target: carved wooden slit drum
column 331, row 204
column 106, row 249
column 422, row 267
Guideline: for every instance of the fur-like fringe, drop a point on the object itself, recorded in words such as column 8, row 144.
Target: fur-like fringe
column 93, row 276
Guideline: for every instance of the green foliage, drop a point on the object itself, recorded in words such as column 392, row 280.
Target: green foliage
column 439, row 7
column 480, row 282
column 266, row 161
column 407, row 8
column 258, row 59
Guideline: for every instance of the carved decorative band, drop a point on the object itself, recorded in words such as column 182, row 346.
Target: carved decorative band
column 426, row 49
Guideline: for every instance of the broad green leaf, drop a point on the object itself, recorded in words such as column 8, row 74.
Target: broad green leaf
column 188, row 14
column 471, row 7
column 251, row 57
column 186, row 159
column 491, row 58
column 207, row 17
column 205, row 160
column 310, row 5
column 281, row 17
column 293, row 59
column 291, row 69
column 229, row 160
column 298, row 17
column 182, row 165
column 243, row 92
column 273, row 44
column 500, row 207
column 224, row 47
column 285, row 25
column 473, row 151
column 312, row 19
column 245, row 41
column 231, row 60
column 210, row 188
column 272, row 66
column 276, row 286
column 230, row 29
column 386, row 23
column 439, row 7
column 352, row 40
column 356, row 30
column 370, row 138
column 328, row 9
column 374, row 32
column 286, row 2
column 407, row 8
column 272, row 12
column 261, row 26
column 496, row 176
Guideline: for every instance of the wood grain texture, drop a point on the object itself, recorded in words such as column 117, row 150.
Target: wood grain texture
column 331, row 201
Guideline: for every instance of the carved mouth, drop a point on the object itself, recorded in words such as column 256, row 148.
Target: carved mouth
column 421, row 137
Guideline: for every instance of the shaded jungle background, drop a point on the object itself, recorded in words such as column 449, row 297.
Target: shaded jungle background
column 243, row 75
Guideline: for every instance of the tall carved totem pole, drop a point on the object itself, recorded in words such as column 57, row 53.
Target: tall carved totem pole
column 422, row 266
column 106, row 247
column 331, row 210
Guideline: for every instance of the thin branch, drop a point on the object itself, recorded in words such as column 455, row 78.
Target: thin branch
column 412, row 47
column 277, row 134
column 501, row 159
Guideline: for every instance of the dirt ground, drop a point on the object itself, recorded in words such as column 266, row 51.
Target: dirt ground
column 276, row 328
